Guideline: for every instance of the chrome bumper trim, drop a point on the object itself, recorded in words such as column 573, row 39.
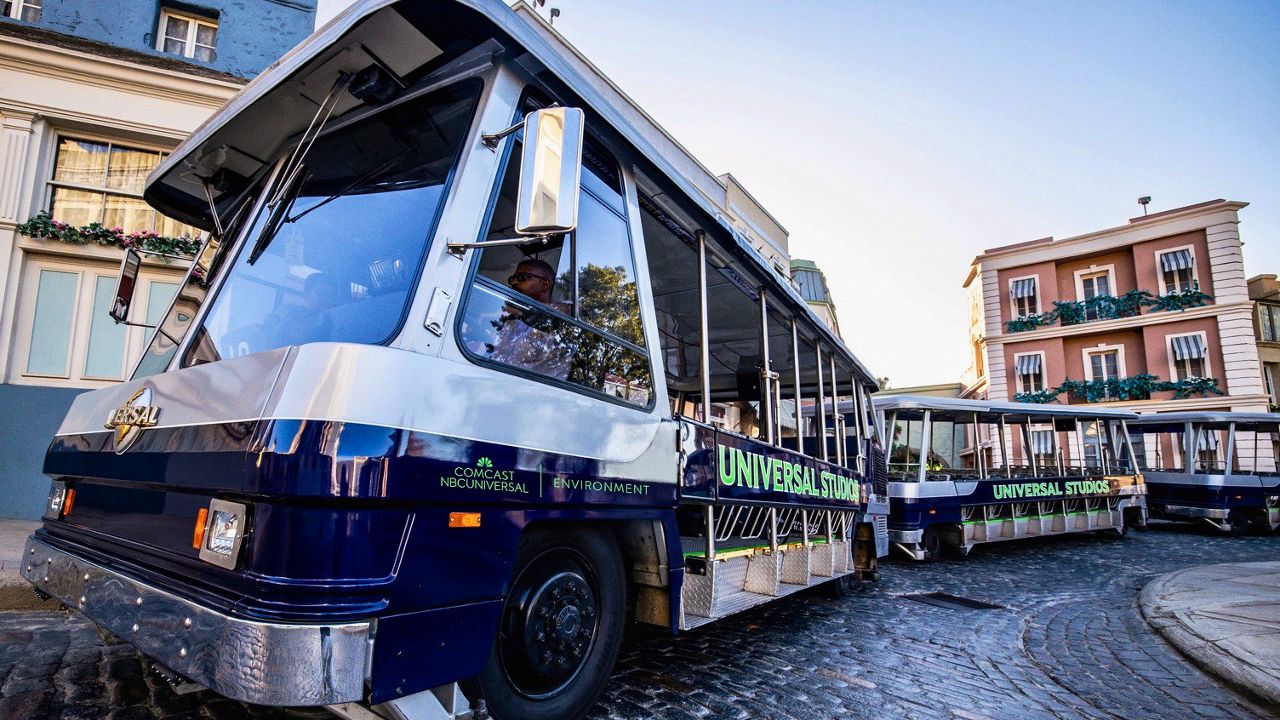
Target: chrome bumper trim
column 257, row 662
column 906, row 536
column 1183, row 510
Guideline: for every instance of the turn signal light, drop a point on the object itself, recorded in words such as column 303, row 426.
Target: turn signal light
column 464, row 519
column 202, row 519
column 69, row 502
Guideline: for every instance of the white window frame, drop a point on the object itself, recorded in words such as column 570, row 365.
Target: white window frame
column 1173, row 363
column 1017, row 376
column 50, row 184
column 1195, row 276
column 1013, row 307
column 1122, row 369
column 194, row 22
column 1267, row 307
column 87, row 272
column 1110, row 270
column 17, row 6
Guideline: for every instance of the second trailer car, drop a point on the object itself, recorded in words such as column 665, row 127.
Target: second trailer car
column 965, row 472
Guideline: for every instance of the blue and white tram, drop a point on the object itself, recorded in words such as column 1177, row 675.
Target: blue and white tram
column 965, row 472
column 470, row 372
column 1213, row 467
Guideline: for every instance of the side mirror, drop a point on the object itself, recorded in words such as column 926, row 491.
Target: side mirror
column 550, row 170
column 125, row 284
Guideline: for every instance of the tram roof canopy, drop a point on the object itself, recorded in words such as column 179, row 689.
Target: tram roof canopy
column 414, row 38
column 987, row 411
column 1217, row 419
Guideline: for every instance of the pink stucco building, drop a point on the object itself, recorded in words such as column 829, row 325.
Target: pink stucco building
column 1073, row 312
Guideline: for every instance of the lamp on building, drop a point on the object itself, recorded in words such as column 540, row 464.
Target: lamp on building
column 1144, row 201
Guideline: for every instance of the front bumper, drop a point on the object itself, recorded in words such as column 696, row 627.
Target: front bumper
column 257, row 662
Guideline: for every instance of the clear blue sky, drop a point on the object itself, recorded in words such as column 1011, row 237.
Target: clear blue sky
column 896, row 140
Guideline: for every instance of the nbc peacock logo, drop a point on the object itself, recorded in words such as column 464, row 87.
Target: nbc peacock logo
column 484, row 462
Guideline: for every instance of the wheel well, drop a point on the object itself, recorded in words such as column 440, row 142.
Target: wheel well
column 642, row 549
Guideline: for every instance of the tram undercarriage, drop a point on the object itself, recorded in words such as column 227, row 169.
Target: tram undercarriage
column 1015, row 521
column 756, row 554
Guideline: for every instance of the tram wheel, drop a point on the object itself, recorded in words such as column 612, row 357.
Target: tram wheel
column 560, row 628
column 931, row 543
column 1239, row 521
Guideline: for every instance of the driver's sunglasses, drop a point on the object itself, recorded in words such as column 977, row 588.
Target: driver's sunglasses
column 522, row 276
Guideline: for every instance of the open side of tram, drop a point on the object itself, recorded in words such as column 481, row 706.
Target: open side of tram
column 468, row 373
column 964, row 472
column 1217, row 468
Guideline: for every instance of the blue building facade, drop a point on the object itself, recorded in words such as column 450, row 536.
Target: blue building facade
column 77, row 140
column 237, row 37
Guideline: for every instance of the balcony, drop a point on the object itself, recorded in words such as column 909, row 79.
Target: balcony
column 1136, row 387
column 1108, row 307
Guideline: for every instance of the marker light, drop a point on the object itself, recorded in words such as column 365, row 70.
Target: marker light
column 202, row 519
column 57, row 499
column 224, row 530
column 464, row 519
column 69, row 502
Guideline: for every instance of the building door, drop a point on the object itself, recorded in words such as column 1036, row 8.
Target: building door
column 1092, row 286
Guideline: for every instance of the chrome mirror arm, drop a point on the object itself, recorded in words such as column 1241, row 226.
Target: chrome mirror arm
column 458, row 248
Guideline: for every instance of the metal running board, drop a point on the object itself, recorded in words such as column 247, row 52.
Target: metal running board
column 441, row 703
column 996, row 529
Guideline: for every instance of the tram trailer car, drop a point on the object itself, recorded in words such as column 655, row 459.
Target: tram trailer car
column 1019, row 480
column 468, row 372
column 1218, row 468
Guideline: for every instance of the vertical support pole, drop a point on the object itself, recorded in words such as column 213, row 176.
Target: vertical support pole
column 1134, row 465
column 1097, row 441
column 1231, row 448
column 1190, row 443
column 890, row 424
column 1030, row 447
column 1004, row 449
column 795, row 366
column 711, row 533
column 831, row 535
column 822, row 407
column 704, row 363
column 926, row 438
column 979, row 462
column 836, row 416
column 804, row 528
column 1057, row 449
column 773, row 529
column 766, row 372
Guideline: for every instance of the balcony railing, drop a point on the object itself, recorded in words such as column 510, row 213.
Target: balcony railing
column 1108, row 307
column 1136, row 387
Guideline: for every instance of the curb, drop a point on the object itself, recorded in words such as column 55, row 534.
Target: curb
column 18, row 594
column 1177, row 630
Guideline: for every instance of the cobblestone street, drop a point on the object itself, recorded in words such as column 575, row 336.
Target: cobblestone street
column 1068, row 643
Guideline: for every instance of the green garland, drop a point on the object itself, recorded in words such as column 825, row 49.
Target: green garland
column 43, row 227
column 1136, row 387
column 1107, row 307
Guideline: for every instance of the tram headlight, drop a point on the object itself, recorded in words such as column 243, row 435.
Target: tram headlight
column 57, row 496
column 224, row 533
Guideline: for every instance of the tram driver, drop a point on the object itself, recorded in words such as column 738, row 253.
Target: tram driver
column 528, row 338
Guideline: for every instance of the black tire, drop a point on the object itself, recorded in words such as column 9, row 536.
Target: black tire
column 1240, row 522
column 931, row 543
column 567, row 594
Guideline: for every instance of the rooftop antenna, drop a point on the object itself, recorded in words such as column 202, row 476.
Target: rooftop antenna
column 1144, row 201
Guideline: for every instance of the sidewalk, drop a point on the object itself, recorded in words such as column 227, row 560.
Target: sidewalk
column 1226, row 619
column 15, row 592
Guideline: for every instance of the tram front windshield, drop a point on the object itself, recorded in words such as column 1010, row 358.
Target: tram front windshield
column 336, row 259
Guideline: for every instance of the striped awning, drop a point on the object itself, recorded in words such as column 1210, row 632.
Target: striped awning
column 1187, row 347
column 1042, row 442
column 1024, row 288
column 1208, row 440
column 1028, row 364
column 1175, row 260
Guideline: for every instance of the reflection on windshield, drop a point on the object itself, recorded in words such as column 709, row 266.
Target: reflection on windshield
column 339, row 265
